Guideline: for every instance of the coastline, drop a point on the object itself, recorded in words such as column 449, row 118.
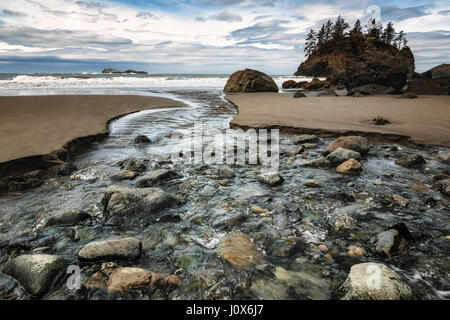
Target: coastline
column 39, row 133
column 416, row 122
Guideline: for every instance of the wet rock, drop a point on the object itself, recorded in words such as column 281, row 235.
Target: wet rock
column 441, row 176
column 401, row 200
column 299, row 94
column 444, row 187
column 343, row 196
column 321, row 162
column 238, row 250
column 226, row 172
column 67, row 218
column 141, row 139
column 249, row 80
column 374, row 281
column 153, row 178
column 351, row 166
column 132, row 164
column 37, row 273
column 387, row 242
column 355, row 143
column 409, row 161
column 304, row 138
column 327, row 92
column 124, row 175
column 67, row 170
column 112, row 249
column 409, row 95
column 230, row 221
column 293, row 151
column 355, row 251
column 120, row 202
column 285, row 247
column 312, row 184
column 444, row 157
column 130, row 278
column 310, row 145
column 270, row 178
column 341, row 155
column 340, row 222
column 10, row 289
column 380, row 121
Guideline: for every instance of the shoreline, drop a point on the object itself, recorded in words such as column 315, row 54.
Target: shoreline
column 29, row 171
column 255, row 111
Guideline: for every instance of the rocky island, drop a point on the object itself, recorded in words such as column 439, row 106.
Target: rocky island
column 129, row 71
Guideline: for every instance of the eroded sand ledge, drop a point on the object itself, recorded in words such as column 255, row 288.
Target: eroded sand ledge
column 39, row 125
column 425, row 120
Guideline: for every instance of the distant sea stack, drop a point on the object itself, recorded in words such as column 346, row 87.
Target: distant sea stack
column 249, row 80
column 109, row 70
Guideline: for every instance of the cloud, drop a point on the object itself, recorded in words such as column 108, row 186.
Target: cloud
column 145, row 15
column 11, row 13
column 92, row 5
column 259, row 29
column 394, row 13
column 226, row 16
column 444, row 12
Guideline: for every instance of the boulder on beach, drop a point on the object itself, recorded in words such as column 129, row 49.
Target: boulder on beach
column 112, row 249
column 374, row 281
column 299, row 94
column 37, row 273
column 355, row 143
column 292, row 84
column 371, row 89
column 122, row 202
column 249, row 80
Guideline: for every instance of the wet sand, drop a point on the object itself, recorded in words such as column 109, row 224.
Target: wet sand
column 425, row 119
column 38, row 125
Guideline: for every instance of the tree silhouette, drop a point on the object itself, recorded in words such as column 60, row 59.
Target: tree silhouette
column 356, row 31
column 339, row 28
column 400, row 40
column 310, row 43
column 388, row 33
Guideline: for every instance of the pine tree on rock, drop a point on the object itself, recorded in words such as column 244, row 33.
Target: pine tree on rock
column 388, row 34
column 310, row 43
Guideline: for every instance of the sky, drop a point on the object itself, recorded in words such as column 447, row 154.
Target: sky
column 197, row 36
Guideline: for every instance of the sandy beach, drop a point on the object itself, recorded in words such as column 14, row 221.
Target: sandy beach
column 425, row 119
column 38, row 125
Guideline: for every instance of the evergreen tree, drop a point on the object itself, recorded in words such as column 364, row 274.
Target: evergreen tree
column 339, row 28
column 388, row 33
column 328, row 30
column 374, row 28
column 321, row 36
column 310, row 43
column 356, row 31
column 400, row 40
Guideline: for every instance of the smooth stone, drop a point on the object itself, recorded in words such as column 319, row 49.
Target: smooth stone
column 355, row 143
column 341, row 155
column 304, row 138
column 132, row 164
column 351, row 166
column 124, row 175
column 238, row 250
column 141, row 139
column 294, row 151
column 387, row 241
column 68, row 218
column 321, row 162
column 374, row 281
column 409, row 161
column 270, row 178
column 131, row 278
column 226, row 172
column 116, row 249
column 299, row 94
column 35, row 272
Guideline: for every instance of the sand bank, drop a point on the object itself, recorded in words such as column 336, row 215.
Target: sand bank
column 38, row 125
column 425, row 119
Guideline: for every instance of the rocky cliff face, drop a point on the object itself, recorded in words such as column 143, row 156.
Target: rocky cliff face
column 358, row 62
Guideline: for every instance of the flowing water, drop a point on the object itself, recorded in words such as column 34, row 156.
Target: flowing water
column 290, row 232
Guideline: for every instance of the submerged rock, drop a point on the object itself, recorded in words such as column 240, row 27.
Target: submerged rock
column 141, row 140
column 351, row 166
column 67, row 170
column 238, row 250
column 226, row 172
column 409, row 161
column 70, row 217
column 116, row 249
column 153, row 178
column 355, row 143
column 120, row 202
column 130, row 278
column 249, row 80
column 387, row 241
column 124, row 175
column 10, row 289
column 35, row 272
column 340, row 222
column 132, row 164
column 374, row 281
column 270, row 178
column 341, row 155
column 321, row 162
column 294, row 151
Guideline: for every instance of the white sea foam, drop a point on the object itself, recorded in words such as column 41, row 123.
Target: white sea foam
column 24, row 82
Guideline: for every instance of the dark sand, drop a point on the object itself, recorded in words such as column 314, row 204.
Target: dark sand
column 425, row 119
column 38, row 125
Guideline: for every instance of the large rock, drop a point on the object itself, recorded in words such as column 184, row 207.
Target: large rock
column 407, row 57
column 120, row 202
column 351, row 166
column 270, row 178
column 68, row 218
column 132, row 164
column 387, row 242
column 438, row 86
column 355, row 143
column 341, row 155
column 35, row 272
column 238, row 250
column 409, row 161
column 292, row 84
column 153, row 178
column 374, row 281
column 249, row 80
column 371, row 89
column 112, row 249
